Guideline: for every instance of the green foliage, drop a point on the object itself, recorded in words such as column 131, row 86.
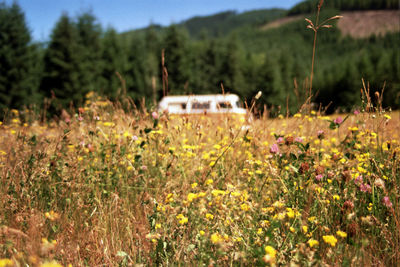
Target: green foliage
column 61, row 64
column 18, row 57
column 176, row 59
column 113, row 61
column 224, row 23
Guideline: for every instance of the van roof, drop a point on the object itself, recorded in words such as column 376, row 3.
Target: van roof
column 217, row 97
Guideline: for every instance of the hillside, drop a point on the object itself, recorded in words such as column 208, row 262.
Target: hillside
column 357, row 24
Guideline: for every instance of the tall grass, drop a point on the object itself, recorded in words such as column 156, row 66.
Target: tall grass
column 111, row 188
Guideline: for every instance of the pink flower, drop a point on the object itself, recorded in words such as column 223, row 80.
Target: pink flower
column 134, row 138
column 274, row 149
column 338, row 120
column 143, row 167
column 356, row 112
column 358, row 180
column 280, row 140
column 365, row 188
column 319, row 177
column 386, row 202
column 154, row 115
column 298, row 139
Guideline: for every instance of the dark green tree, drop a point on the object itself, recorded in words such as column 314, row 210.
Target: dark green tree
column 18, row 86
column 136, row 71
column 61, row 65
column 89, row 51
column 230, row 71
column 176, row 59
column 113, row 61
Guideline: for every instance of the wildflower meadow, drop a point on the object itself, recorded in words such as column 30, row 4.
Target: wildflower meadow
column 108, row 187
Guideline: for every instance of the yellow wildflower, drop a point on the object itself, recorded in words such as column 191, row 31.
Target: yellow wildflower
column 341, row 234
column 216, row 238
column 330, row 239
column 209, row 216
column 6, row 263
column 270, row 255
column 312, row 243
column 191, row 197
column 50, row 264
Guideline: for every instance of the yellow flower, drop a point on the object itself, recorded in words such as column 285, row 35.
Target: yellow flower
column 202, row 232
column 6, row 263
column 290, row 213
column 387, row 116
column 330, row 239
column 52, row 216
column 270, row 251
column 312, row 243
column 158, row 226
column 194, row 185
column 183, row 221
column 50, row 264
column 336, row 197
column 191, row 197
column 341, row 234
column 244, row 207
column 209, row 181
column 305, row 229
column 209, row 216
column 216, row 238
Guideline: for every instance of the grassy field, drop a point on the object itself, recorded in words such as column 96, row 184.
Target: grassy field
column 109, row 188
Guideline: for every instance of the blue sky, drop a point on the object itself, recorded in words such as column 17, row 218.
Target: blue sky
column 124, row 15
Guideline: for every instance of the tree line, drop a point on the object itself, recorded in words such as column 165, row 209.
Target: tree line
column 81, row 57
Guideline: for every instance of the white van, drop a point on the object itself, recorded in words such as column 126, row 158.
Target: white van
column 202, row 104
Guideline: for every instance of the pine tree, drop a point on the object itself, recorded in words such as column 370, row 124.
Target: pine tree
column 229, row 71
column 89, row 49
column 176, row 60
column 136, row 70
column 61, row 62
column 17, row 85
column 113, row 61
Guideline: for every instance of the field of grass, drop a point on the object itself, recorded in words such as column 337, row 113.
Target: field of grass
column 109, row 188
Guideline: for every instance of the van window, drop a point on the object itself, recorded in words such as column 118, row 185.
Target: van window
column 199, row 105
column 176, row 106
column 224, row 105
